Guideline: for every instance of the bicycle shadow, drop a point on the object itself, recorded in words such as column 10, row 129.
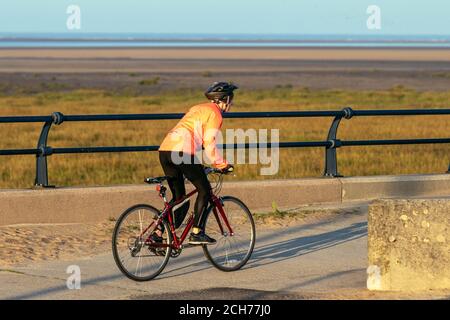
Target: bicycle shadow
column 292, row 248
column 203, row 264
column 283, row 250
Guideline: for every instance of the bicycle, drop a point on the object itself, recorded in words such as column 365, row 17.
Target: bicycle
column 142, row 255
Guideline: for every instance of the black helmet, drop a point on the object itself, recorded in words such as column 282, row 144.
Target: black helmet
column 219, row 91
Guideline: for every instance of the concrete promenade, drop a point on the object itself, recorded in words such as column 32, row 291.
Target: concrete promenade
column 94, row 204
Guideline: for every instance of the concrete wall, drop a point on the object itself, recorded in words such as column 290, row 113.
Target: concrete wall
column 409, row 244
column 65, row 205
column 394, row 186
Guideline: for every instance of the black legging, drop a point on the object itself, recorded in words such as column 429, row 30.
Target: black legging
column 195, row 173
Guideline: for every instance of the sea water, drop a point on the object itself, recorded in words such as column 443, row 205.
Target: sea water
column 141, row 40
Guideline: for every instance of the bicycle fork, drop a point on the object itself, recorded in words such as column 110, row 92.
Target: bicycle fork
column 218, row 206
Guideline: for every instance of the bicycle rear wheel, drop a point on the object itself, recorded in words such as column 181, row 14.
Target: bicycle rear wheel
column 138, row 256
column 231, row 251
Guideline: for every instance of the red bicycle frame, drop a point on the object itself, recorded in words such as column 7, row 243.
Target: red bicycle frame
column 177, row 243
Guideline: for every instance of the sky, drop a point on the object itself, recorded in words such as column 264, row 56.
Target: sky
column 409, row 17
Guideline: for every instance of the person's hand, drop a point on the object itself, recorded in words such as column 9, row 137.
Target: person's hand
column 228, row 169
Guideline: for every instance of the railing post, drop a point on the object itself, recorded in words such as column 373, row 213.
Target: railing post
column 330, row 151
column 41, row 179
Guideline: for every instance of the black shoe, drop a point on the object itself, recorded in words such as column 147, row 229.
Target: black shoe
column 157, row 239
column 200, row 238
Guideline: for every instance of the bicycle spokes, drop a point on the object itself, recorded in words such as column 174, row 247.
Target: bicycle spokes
column 233, row 248
column 138, row 251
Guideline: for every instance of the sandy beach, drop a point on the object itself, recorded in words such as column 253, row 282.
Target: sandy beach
column 29, row 70
column 245, row 53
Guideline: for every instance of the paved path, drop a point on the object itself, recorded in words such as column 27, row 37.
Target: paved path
column 326, row 256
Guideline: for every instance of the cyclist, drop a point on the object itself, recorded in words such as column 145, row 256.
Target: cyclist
column 178, row 153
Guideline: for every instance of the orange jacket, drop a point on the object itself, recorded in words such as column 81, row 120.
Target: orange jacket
column 197, row 128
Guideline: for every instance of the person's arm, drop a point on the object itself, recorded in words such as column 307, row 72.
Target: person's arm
column 211, row 130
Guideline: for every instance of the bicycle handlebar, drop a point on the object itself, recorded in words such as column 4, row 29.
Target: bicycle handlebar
column 209, row 170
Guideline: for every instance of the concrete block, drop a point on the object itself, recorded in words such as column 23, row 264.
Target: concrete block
column 409, row 244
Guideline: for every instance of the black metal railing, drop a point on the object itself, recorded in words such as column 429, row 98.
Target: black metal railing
column 42, row 151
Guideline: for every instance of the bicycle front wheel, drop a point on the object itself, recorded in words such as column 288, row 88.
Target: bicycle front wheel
column 232, row 250
column 136, row 252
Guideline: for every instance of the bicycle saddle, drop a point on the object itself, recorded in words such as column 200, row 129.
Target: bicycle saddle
column 155, row 180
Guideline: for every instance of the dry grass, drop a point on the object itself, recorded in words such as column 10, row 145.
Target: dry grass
column 128, row 168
